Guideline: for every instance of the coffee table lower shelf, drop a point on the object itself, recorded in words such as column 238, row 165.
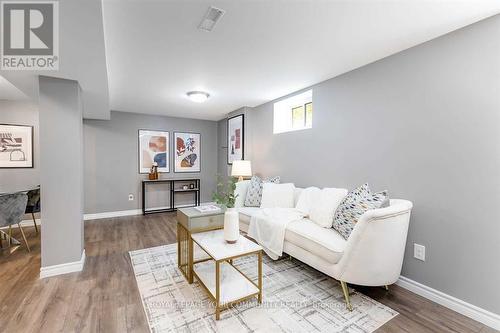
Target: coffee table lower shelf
column 234, row 287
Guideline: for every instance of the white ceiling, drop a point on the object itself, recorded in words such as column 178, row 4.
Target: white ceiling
column 10, row 92
column 260, row 50
column 82, row 57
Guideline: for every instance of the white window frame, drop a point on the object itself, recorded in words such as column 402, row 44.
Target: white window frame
column 282, row 121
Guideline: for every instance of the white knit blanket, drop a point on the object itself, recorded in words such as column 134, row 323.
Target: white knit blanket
column 268, row 227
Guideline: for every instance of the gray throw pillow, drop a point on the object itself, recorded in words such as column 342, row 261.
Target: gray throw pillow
column 254, row 193
column 355, row 204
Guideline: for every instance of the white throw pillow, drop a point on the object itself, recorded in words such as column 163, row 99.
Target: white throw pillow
column 254, row 193
column 241, row 192
column 277, row 195
column 324, row 206
column 306, row 199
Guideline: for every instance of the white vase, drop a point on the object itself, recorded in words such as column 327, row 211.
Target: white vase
column 231, row 225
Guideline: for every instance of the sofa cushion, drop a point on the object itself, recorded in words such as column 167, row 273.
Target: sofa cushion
column 244, row 222
column 327, row 244
column 277, row 195
column 324, row 204
column 254, row 193
column 248, row 211
column 245, row 216
column 355, row 204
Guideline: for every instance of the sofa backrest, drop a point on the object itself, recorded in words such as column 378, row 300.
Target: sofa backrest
column 241, row 192
column 296, row 195
column 242, row 188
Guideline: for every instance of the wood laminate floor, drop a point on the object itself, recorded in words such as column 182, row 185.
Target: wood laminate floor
column 104, row 296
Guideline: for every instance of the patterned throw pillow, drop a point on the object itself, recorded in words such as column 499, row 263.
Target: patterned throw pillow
column 254, row 193
column 355, row 204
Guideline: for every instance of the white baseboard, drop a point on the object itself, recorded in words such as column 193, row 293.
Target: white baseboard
column 25, row 223
column 481, row 315
column 29, row 223
column 66, row 268
column 107, row 215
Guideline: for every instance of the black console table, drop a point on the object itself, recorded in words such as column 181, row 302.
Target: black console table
column 175, row 187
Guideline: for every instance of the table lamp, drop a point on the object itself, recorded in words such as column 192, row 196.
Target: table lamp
column 241, row 169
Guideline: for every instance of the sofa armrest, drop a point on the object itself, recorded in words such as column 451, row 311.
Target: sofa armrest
column 396, row 207
column 375, row 249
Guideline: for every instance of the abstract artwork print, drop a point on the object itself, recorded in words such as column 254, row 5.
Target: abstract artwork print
column 153, row 148
column 235, row 139
column 187, row 152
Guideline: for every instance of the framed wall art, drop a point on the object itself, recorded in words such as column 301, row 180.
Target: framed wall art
column 187, row 152
column 153, row 147
column 16, row 146
column 235, row 138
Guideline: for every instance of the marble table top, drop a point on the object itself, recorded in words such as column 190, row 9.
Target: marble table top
column 214, row 244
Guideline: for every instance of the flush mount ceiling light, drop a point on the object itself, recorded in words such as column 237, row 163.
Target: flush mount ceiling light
column 198, row 96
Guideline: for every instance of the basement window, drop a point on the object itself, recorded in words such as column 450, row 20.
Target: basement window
column 294, row 113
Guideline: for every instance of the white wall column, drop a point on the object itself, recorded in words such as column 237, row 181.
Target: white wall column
column 61, row 176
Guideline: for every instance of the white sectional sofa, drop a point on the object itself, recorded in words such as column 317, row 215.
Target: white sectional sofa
column 371, row 256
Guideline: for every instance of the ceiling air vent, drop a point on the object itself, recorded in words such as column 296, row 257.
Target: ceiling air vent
column 211, row 18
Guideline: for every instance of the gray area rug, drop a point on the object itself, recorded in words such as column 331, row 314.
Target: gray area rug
column 297, row 298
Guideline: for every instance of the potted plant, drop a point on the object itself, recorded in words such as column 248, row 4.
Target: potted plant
column 225, row 197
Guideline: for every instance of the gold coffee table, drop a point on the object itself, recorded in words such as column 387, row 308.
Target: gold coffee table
column 226, row 284
column 190, row 221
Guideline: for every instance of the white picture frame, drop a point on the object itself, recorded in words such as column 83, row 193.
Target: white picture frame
column 16, row 146
column 187, row 152
column 154, row 146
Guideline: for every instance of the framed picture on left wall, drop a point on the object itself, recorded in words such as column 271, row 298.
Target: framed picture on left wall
column 16, row 146
column 154, row 147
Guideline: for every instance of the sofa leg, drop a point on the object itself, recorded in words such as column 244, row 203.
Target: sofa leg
column 345, row 289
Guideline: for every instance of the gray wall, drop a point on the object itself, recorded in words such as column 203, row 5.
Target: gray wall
column 111, row 165
column 61, row 170
column 20, row 113
column 425, row 124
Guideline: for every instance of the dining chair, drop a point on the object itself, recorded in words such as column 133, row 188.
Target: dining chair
column 12, row 207
column 33, row 205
